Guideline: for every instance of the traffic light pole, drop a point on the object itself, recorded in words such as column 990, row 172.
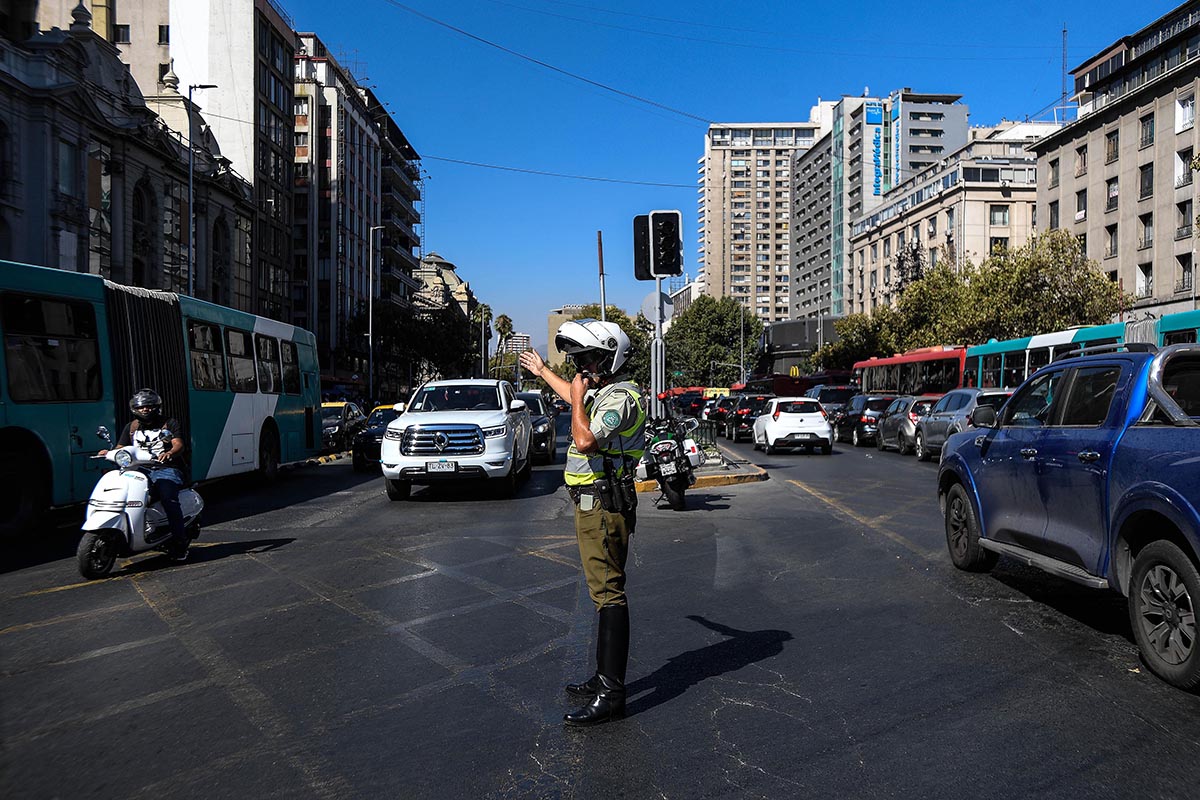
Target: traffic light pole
column 658, row 355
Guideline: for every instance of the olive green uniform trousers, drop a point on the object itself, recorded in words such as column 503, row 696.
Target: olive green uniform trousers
column 603, row 538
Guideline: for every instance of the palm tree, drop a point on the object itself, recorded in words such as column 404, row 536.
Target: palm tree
column 481, row 317
column 504, row 331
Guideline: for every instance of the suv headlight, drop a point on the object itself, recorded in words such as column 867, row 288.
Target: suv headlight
column 392, row 433
column 542, row 428
column 495, row 432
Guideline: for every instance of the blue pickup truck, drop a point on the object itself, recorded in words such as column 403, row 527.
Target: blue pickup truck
column 1091, row 472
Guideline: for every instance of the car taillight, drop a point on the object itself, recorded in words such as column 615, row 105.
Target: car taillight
column 823, row 414
column 867, row 420
column 914, row 416
column 743, row 411
column 775, row 416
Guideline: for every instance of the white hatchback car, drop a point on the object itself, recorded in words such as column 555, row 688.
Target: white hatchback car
column 793, row 422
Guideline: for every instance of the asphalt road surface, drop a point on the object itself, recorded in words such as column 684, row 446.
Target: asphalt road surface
column 802, row 637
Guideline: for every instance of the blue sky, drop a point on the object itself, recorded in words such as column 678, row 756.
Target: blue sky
column 527, row 243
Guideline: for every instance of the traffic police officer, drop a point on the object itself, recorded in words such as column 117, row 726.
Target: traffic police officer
column 608, row 437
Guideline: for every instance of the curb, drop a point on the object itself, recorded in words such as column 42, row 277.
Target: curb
column 753, row 474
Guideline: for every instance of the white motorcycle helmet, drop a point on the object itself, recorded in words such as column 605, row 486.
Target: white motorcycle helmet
column 585, row 340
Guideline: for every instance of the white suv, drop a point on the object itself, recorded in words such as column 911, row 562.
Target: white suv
column 459, row 429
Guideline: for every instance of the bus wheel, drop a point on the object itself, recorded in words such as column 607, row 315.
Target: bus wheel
column 24, row 494
column 268, row 455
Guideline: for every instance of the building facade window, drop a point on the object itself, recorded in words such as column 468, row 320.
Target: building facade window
column 1053, row 214
column 1185, row 113
column 1053, row 172
column 1110, row 241
column 164, row 34
column 1112, row 189
column 1145, row 181
column 998, row 215
column 1146, row 236
column 1081, row 159
column 1146, row 124
column 120, row 34
column 1183, row 167
column 1112, row 146
column 1081, row 205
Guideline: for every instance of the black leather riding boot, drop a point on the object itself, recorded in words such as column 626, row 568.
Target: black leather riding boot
column 612, row 657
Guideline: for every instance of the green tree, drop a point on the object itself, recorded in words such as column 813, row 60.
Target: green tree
column 703, row 342
column 861, row 336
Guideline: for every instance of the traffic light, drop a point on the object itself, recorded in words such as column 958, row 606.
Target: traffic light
column 641, row 248
column 666, row 243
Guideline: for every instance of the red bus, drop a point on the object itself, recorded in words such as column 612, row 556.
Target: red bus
column 926, row 370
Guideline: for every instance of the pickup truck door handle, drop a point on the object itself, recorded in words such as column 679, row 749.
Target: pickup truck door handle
column 1028, row 452
column 1088, row 456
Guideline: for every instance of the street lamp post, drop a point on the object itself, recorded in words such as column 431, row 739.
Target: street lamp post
column 371, row 314
column 192, row 192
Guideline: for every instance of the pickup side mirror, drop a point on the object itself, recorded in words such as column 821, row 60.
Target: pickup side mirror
column 398, row 408
column 983, row 417
column 517, row 405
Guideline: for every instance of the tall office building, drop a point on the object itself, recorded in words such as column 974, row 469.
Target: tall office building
column 517, row 343
column 873, row 145
column 745, row 207
column 1120, row 176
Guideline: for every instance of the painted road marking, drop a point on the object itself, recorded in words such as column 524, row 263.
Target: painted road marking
column 873, row 523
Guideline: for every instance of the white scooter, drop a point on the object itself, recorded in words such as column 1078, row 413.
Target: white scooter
column 120, row 519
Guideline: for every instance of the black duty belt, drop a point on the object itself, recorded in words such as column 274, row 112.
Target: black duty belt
column 578, row 491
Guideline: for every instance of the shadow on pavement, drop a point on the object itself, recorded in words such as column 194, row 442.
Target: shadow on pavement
column 685, row 670
column 201, row 553
column 693, row 501
column 1104, row 612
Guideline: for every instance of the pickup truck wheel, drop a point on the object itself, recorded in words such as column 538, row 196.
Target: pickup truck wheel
column 919, row 448
column 962, row 534
column 397, row 490
column 1162, row 611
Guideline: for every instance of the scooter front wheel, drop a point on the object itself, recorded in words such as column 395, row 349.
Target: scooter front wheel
column 96, row 555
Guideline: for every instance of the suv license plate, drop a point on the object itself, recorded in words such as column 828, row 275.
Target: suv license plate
column 441, row 466
column 667, row 468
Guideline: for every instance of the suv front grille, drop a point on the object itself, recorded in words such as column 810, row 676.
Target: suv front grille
column 442, row 440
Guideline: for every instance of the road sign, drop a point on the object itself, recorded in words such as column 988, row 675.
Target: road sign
column 650, row 306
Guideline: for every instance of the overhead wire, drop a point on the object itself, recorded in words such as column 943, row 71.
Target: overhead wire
column 548, row 65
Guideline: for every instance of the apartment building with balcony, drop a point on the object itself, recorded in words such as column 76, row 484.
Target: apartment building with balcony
column 337, row 250
column 980, row 197
column 1119, row 177
column 745, row 207
column 400, row 210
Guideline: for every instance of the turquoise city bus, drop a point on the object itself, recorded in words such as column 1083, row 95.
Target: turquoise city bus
column 1005, row 365
column 76, row 347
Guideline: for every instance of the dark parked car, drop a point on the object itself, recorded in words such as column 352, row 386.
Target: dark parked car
column 544, row 442
column 339, row 422
column 368, row 440
column 721, row 410
column 689, row 404
column 898, row 425
column 857, row 421
column 832, row 397
column 560, row 405
column 950, row 415
column 739, row 422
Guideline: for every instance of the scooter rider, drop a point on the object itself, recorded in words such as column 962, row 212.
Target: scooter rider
column 608, row 433
column 163, row 437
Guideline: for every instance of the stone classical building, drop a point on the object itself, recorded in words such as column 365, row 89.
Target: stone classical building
column 981, row 197
column 1120, row 177
column 92, row 180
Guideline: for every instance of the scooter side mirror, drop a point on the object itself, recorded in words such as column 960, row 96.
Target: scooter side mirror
column 102, row 432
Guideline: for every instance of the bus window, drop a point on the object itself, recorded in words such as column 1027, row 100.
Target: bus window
column 270, row 379
column 1038, row 358
column 1013, row 374
column 208, row 362
column 1179, row 337
column 949, row 375
column 52, row 349
column 291, row 368
column 971, row 373
column 241, row 361
column 989, row 377
column 908, row 378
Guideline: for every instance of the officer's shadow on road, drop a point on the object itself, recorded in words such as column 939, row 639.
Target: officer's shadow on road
column 694, row 501
column 685, row 670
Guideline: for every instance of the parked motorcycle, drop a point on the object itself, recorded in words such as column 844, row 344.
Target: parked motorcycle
column 671, row 457
column 121, row 517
